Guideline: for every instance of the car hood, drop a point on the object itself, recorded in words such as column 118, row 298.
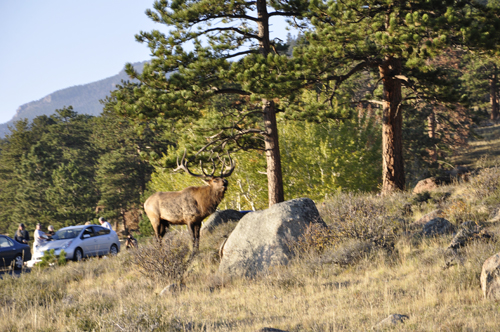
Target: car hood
column 53, row 244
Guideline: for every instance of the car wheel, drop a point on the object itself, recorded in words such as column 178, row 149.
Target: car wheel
column 113, row 251
column 78, row 256
column 18, row 262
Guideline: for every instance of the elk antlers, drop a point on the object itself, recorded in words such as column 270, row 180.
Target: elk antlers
column 229, row 168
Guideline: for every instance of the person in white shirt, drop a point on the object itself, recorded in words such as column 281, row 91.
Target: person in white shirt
column 39, row 236
column 105, row 224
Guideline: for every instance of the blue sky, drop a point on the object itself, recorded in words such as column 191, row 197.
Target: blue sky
column 48, row 45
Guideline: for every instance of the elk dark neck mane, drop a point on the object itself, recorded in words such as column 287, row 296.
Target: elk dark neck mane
column 208, row 199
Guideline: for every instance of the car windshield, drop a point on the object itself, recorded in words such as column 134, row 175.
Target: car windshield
column 64, row 234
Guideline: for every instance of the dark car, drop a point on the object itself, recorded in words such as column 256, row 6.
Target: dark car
column 13, row 253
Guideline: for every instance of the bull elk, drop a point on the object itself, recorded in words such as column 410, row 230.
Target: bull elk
column 190, row 205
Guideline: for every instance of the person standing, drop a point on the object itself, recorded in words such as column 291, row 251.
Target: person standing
column 22, row 235
column 39, row 237
column 50, row 232
column 105, row 224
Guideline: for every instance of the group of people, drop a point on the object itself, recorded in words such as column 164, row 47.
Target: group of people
column 40, row 237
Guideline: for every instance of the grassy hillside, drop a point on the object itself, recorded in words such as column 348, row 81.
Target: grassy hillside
column 388, row 268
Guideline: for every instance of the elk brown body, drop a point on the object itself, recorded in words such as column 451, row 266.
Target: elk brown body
column 188, row 206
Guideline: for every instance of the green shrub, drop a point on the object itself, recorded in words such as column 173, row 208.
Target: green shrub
column 145, row 227
column 50, row 258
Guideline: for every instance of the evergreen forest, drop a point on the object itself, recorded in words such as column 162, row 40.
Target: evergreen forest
column 364, row 96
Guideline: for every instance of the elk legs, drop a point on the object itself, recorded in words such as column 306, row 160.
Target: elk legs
column 195, row 233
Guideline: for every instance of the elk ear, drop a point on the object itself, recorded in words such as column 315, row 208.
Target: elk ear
column 207, row 181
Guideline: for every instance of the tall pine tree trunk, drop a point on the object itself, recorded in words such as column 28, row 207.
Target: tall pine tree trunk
column 271, row 141
column 393, row 175
column 493, row 95
column 273, row 156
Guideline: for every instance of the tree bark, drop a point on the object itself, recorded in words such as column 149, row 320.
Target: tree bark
column 393, row 175
column 273, row 156
column 493, row 95
column 271, row 140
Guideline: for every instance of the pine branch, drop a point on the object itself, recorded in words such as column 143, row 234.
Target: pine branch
column 241, row 32
column 230, row 91
column 241, row 53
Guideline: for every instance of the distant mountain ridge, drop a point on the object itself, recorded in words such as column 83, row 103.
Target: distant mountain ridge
column 84, row 99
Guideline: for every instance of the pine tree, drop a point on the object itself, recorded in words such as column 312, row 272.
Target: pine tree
column 55, row 178
column 121, row 172
column 23, row 135
column 178, row 84
column 395, row 40
column 482, row 74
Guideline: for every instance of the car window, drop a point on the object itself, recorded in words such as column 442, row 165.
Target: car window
column 5, row 242
column 89, row 231
column 64, row 234
column 101, row 230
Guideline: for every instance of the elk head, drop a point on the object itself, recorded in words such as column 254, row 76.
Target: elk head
column 218, row 183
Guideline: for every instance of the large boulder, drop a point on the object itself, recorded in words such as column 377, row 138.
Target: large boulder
column 261, row 239
column 490, row 278
column 220, row 217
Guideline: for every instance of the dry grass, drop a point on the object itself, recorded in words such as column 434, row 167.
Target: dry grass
column 402, row 273
column 107, row 295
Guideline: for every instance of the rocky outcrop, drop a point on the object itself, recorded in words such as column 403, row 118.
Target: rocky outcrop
column 261, row 239
column 467, row 232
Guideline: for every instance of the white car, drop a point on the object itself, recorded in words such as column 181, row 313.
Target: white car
column 81, row 241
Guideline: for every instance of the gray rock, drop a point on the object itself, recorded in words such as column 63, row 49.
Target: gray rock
column 437, row 226
column 392, row 320
column 220, row 217
column 428, row 217
column 467, row 232
column 261, row 239
column 490, row 278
